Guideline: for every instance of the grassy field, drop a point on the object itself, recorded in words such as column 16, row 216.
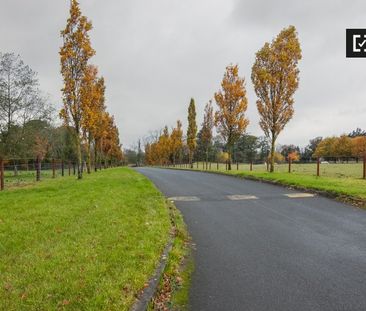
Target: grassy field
column 340, row 170
column 25, row 178
column 80, row 245
column 338, row 179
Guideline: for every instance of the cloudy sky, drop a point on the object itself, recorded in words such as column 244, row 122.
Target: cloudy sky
column 156, row 55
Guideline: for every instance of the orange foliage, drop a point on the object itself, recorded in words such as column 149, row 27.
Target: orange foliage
column 275, row 77
column 232, row 104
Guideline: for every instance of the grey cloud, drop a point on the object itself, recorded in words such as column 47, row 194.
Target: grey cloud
column 155, row 55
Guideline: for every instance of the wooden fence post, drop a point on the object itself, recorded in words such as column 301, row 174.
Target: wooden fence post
column 38, row 169
column 251, row 165
column 62, row 168
column 1, row 175
column 318, row 167
column 69, row 166
column 237, row 165
column 217, row 165
column 364, row 166
column 289, row 164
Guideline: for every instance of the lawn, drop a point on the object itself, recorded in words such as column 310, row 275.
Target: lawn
column 80, row 245
column 341, row 170
column 24, row 178
column 339, row 179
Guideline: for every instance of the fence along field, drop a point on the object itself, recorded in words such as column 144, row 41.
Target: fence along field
column 328, row 167
column 22, row 172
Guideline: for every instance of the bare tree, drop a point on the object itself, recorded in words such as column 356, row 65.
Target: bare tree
column 20, row 97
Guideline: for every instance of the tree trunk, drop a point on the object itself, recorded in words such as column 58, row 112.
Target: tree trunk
column 273, row 142
column 229, row 160
column 191, row 159
column 88, row 159
column 95, row 156
column 206, row 158
column 78, row 154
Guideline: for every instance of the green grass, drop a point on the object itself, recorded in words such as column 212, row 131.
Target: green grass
column 353, row 170
column 25, row 178
column 337, row 179
column 80, row 245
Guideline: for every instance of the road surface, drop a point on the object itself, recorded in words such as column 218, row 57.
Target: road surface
column 265, row 247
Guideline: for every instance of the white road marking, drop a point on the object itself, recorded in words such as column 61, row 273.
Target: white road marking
column 299, row 195
column 238, row 197
column 184, row 199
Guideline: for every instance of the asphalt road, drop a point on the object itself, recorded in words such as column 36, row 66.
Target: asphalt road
column 264, row 247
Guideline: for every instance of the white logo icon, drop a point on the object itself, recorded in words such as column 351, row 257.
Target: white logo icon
column 357, row 45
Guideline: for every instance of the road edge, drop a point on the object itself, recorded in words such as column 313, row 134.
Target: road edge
column 173, row 273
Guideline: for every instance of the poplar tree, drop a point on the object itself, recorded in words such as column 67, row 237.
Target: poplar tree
column 275, row 77
column 232, row 104
column 207, row 127
column 75, row 54
column 176, row 141
column 191, row 131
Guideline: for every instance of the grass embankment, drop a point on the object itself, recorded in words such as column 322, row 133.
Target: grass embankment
column 340, row 186
column 80, row 245
column 174, row 285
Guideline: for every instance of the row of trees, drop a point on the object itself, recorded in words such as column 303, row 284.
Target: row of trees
column 84, row 110
column 275, row 77
column 27, row 131
column 341, row 147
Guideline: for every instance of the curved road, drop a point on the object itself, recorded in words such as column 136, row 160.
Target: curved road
column 264, row 247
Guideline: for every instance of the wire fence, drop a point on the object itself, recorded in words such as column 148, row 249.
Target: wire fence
column 21, row 172
column 328, row 167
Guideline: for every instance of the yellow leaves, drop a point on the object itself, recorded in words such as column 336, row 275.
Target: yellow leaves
column 275, row 79
column 176, row 139
column 83, row 91
column 342, row 146
column 232, row 104
column 359, row 146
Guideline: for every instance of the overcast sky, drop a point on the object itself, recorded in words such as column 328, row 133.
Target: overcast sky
column 156, row 55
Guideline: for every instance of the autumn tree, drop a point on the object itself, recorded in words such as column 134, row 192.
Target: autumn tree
column 359, row 146
column 110, row 145
column 342, row 147
column 275, row 77
column 92, row 107
column 164, row 146
column 75, row 54
column 232, row 104
column 207, row 127
column 293, row 156
column 325, row 147
column 176, row 141
column 191, row 131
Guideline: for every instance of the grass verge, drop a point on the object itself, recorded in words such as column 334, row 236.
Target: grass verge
column 173, row 290
column 80, row 245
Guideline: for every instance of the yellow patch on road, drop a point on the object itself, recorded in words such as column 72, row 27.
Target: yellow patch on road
column 239, row 197
column 299, row 195
column 184, row 199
